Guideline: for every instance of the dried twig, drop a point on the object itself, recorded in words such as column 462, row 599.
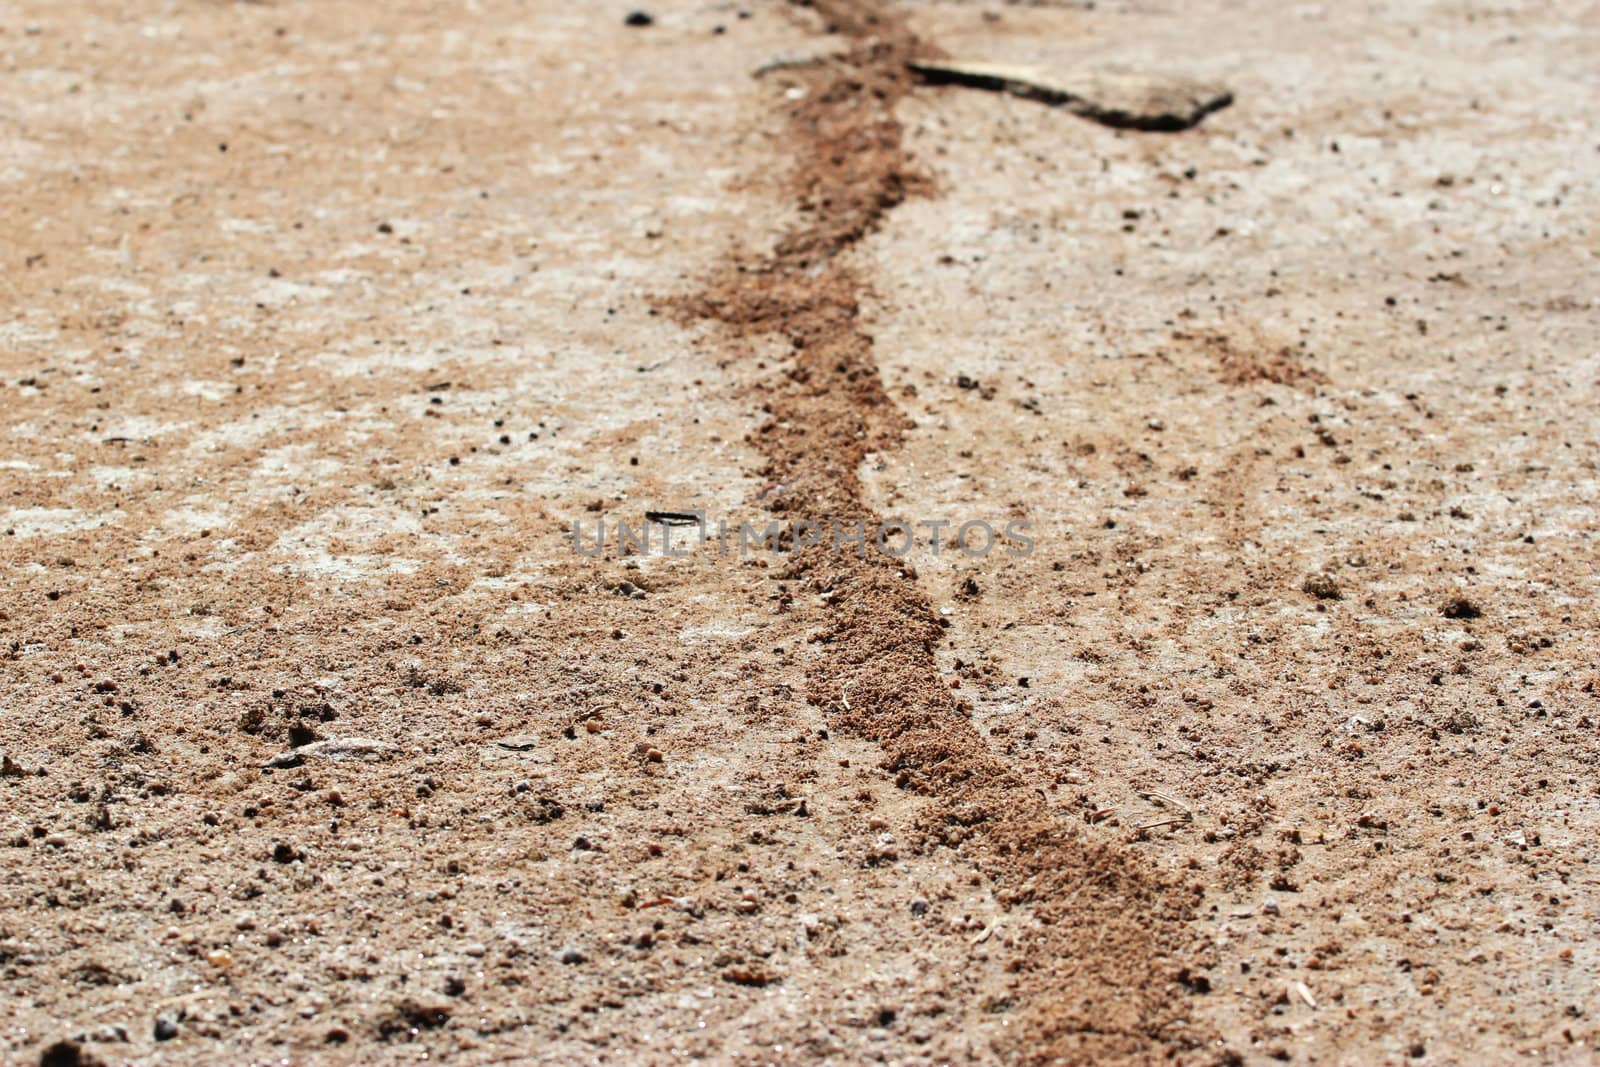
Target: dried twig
column 1182, row 816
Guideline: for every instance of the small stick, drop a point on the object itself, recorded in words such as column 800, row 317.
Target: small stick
column 674, row 518
column 1168, row 800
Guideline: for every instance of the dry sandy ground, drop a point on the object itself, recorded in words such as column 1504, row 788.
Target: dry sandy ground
column 323, row 324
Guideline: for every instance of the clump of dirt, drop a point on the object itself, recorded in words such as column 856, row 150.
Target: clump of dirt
column 1101, row 978
column 1323, row 586
column 1244, row 362
column 68, row 1054
column 411, row 1015
column 1460, row 607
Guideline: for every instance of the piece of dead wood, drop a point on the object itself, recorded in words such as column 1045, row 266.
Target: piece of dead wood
column 806, row 60
column 1181, row 813
column 334, row 748
column 1118, row 98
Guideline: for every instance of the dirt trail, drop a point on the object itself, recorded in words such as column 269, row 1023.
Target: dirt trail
column 324, row 326
column 1102, row 972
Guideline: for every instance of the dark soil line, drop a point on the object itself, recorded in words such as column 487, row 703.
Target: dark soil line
column 1103, row 943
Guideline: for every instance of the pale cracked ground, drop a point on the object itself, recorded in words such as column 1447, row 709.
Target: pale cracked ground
column 323, row 323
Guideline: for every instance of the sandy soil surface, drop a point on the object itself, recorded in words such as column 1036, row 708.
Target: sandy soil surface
column 324, row 742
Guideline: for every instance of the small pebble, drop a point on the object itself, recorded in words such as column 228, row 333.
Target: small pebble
column 107, row 1034
column 1323, row 586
